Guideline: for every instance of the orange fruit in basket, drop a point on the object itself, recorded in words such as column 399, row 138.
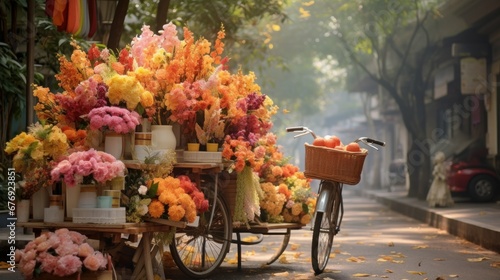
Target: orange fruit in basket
column 332, row 141
column 353, row 147
column 319, row 141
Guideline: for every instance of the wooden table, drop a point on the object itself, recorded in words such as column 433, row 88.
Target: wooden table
column 144, row 254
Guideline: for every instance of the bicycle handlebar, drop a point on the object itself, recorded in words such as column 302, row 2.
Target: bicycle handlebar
column 365, row 140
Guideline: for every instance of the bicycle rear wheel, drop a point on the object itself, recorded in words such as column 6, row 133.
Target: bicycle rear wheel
column 325, row 227
column 198, row 251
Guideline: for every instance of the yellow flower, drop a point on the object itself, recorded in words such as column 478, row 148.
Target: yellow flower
column 147, row 99
column 126, row 89
column 296, row 209
column 21, row 141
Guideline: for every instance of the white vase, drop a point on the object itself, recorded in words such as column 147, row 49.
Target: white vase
column 71, row 199
column 88, row 196
column 114, row 144
column 162, row 137
column 23, row 210
column 40, row 202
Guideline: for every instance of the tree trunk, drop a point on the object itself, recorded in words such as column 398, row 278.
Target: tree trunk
column 117, row 25
column 162, row 13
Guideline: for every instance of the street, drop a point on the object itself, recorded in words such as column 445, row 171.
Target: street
column 374, row 243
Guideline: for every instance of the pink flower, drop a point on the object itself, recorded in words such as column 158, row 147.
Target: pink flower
column 67, row 265
column 85, row 250
column 92, row 165
column 67, row 248
column 28, row 268
column 95, row 261
column 48, row 263
column 77, row 237
column 29, row 255
column 18, row 255
column 119, row 120
column 44, row 246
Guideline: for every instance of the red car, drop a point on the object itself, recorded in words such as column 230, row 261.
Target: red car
column 474, row 179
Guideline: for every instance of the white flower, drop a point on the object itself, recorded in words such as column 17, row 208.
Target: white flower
column 142, row 209
column 143, row 190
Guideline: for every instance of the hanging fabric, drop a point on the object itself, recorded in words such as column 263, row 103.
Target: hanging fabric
column 92, row 6
column 49, row 8
column 73, row 16
column 85, row 21
column 58, row 17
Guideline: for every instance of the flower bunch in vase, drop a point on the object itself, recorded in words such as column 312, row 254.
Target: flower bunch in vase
column 34, row 154
column 61, row 253
column 213, row 130
column 179, row 73
column 87, row 167
column 40, row 145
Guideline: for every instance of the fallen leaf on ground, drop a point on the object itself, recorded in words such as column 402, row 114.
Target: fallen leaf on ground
column 302, row 276
column 327, row 270
column 390, row 244
column 250, row 253
column 495, row 264
column 263, row 249
column 397, row 261
column 354, row 259
column 361, row 275
column 389, row 271
column 453, row 276
column 420, row 246
column 294, row 247
column 416, row 272
column 332, row 255
column 480, row 259
column 439, row 259
column 251, row 238
column 283, row 259
column 281, row 274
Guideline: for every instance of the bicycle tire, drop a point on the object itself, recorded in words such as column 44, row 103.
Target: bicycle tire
column 198, row 251
column 324, row 229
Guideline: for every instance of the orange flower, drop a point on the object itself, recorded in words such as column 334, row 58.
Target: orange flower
column 156, row 208
column 175, row 212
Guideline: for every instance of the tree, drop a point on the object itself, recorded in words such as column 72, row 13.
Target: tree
column 389, row 42
column 242, row 21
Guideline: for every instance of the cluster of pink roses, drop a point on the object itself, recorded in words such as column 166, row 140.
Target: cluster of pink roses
column 119, row 120
column 87, row 167
column 61, row 253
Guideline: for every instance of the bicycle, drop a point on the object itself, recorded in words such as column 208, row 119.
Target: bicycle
column 334, row 168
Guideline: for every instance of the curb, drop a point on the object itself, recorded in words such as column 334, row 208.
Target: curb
column 479, row 233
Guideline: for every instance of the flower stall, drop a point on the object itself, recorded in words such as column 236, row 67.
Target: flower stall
column 131, row 115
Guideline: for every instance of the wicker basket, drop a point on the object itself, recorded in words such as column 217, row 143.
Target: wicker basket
column 228, row 190
column 334, row 165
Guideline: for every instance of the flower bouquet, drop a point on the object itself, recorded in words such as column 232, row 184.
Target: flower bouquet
column 62, row 253
column 116, row 119
column 42, row 144
column 87, row 167
column 175, row 199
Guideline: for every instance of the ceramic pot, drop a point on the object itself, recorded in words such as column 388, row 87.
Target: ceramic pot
column 162, row 137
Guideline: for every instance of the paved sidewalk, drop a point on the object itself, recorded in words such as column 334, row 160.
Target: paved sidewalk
column 478, row 223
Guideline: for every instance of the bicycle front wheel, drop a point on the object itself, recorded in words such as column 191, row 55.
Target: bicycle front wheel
column 198, row 251
column 325, row 227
